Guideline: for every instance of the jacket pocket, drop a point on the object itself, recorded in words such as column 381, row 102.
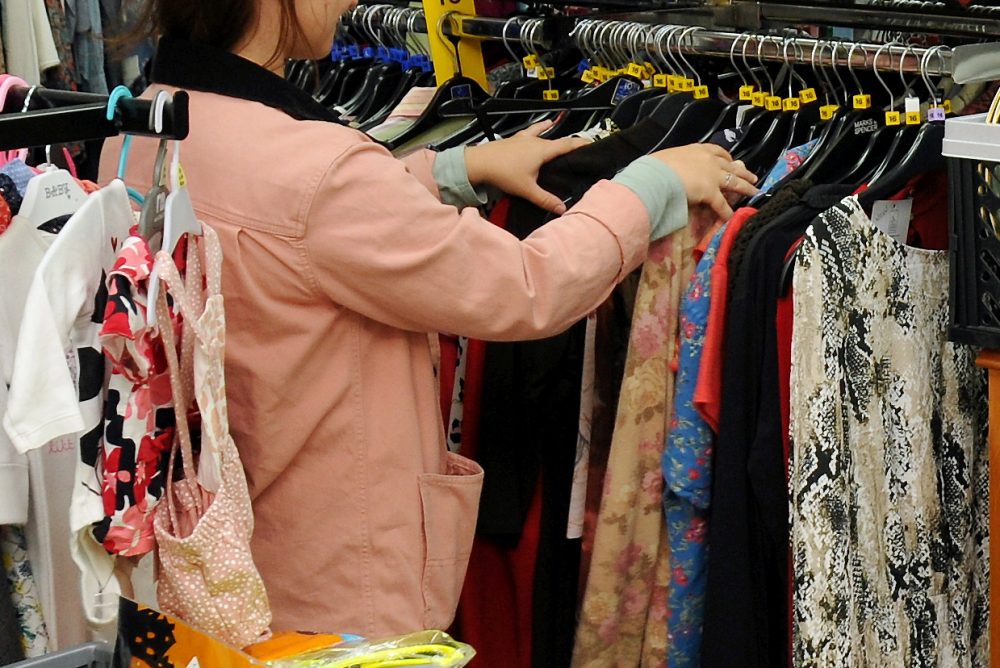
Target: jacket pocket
column 450, row 504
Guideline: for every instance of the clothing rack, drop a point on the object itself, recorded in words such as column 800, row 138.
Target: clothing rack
column 650, row 32
column 55, row 117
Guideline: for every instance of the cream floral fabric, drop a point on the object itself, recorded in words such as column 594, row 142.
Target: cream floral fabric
column 623, row 619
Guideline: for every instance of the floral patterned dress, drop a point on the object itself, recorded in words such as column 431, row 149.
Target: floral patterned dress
column 889, row 480
column 139, row 414
column 687, row 472
column 624, row 612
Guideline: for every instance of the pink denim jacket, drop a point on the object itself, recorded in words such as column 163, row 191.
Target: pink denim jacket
column 338, row 260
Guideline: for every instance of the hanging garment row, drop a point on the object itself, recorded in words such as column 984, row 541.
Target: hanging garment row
column 95, row 404
column 640, row 467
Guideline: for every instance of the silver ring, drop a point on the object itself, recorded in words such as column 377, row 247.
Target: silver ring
column 728, row 180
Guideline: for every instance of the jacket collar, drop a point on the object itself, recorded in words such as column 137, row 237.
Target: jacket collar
column 199, row 67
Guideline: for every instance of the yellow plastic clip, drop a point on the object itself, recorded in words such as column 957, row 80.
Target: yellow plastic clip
column 772, row 103
column 759, row 98
column 746, row 93
column 791, row 104
column 827, row 111
column 635, row 70
column 551, row 95
column 807, row 95
column 660, row 81
column 912, row 118
column 587, row 76
column 530, row 61
column 701, row 92
column 893, row 118
column 862, row 101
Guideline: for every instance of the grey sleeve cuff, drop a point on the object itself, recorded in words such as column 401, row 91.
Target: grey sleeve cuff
column 661, row 190
column 453, row 179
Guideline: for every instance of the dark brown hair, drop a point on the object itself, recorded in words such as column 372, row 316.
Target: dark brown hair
column 218, row 23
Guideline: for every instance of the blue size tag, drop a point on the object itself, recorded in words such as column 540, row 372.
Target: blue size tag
column 625, row 88
column 465, row 90
column 583, row 66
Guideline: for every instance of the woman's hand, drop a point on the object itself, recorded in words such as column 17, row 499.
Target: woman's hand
column 512, row 165
column 711, row 178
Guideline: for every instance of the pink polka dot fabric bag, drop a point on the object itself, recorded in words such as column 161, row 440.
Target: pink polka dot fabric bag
column 203, row 526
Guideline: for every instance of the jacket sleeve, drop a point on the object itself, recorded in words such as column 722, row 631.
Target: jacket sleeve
column 378, row 244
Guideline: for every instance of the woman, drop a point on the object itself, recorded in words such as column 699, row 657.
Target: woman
column 339, row 260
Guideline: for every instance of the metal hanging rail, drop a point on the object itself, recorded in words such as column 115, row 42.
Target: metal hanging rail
column 649, row 30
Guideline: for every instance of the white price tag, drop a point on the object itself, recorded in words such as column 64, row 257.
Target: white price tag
column 912, row 104
column 741, row 112
column 893, row 217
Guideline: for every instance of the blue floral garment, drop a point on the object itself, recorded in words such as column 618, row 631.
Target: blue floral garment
column 791, row 160
column 687, row 471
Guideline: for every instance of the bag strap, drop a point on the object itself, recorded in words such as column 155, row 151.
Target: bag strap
column 181, row 384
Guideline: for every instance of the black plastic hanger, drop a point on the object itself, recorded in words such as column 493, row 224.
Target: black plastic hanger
column 458, row 87
column 925, row 155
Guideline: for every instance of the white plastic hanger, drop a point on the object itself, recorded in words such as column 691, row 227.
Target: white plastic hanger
column 179, row 219
column 51, row 194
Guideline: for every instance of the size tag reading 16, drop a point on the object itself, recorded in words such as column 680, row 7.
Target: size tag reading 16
column 773, row 103
column 807, row 95
column 913, row 118
column 660, row 80
column 791, row 104
column 550, row 95
column 635, row 70
column 687, row 85
column 746, row 93
column 862, row 101
column 892, row 118
column 587, row 76
column 758, row 99
column 827, row 111
column 701, row 92
column 530, row 61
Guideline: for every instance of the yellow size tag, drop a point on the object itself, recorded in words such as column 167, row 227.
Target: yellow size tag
column 913, row 118
column 946, row 105
column 659, row 80
column 772, row 103
column 587, row 76
column 862, row 101
column 550, row 95
column 701, row 92
column 650, row 69
column 758, row 98
column 892, row 118
column 542, row 74
column 807, row 95
column 790, row 104
column 531, row 60
column 600, row 73
column 687, row 85
column 635, row 70
column 181, row 179
column 827, row 111
column 746, row 93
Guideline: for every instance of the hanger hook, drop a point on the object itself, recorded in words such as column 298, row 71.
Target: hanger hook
column 686, row 35
column 445, row 17
column 746, row 62
column 760, row 58
column 875, row 70
column 503, row 36
column 925, row 70
column 850, row 64
column 732, row 58
column 907, row 87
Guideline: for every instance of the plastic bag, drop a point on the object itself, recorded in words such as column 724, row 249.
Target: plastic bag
column 433, row 649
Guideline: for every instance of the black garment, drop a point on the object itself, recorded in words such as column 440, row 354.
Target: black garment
column 746, row 601
column 10, row 628
column 207, row 69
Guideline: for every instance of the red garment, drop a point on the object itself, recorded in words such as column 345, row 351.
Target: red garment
column 929, row 216
column 5, row 216
column 708, row 392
